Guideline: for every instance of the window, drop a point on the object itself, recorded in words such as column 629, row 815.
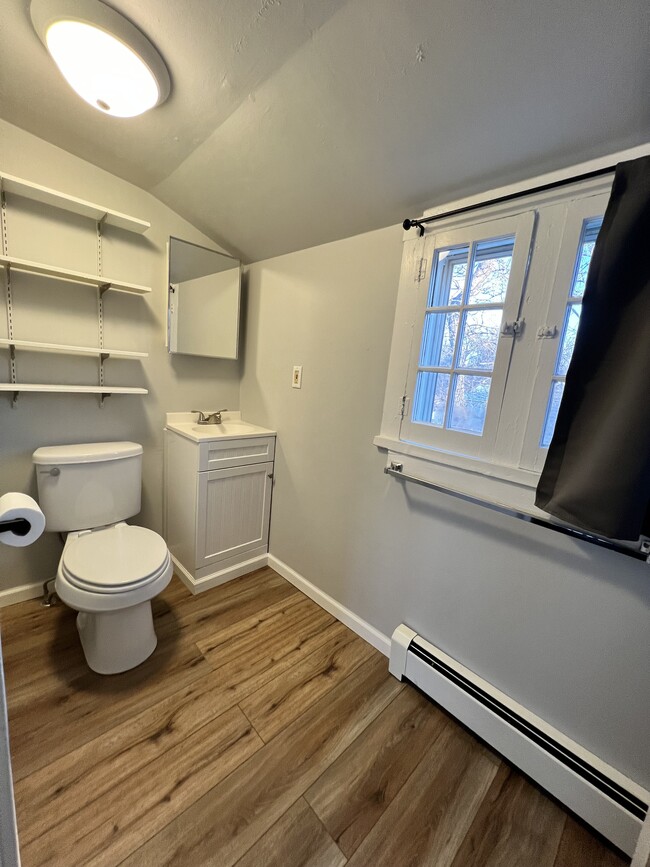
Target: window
column 486, row 322
column 473, row 284
column 573, row 251
column 461, row 334
column 588, row 237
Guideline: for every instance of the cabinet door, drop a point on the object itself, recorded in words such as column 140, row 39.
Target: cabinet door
column 234, row 506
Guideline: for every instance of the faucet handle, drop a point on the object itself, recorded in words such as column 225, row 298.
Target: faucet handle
column 201, row 417
column 215, row 417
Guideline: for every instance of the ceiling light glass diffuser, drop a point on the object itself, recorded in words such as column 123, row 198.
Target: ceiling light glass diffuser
column 102, row 56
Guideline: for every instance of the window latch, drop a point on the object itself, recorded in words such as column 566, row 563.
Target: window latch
column 511, row 329
column 545, row 332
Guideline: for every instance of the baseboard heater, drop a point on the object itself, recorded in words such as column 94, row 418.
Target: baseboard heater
column 607, row 800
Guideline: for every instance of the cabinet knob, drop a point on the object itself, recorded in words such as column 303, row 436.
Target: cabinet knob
column 270, row 475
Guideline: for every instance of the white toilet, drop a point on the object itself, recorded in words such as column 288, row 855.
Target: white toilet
column 109, row 571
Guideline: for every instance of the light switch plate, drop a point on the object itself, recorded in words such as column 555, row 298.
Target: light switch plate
column 296, row 378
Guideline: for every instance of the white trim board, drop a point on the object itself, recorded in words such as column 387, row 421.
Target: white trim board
column 13, row 595
column 219, row 575
column 357, row 624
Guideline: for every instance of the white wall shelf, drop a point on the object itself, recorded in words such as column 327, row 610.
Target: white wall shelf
column 71, row 389
column 65, row 274
column 9, row 264
column 44, row 195
column 37, row 346
column 104, row 391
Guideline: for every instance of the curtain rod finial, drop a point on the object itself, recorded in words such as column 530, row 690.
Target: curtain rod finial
column 413, row 224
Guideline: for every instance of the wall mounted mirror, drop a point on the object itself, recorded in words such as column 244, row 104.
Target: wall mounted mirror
column 204, row 295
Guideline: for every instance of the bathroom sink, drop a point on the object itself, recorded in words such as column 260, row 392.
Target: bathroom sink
column 226, row 428
column 232, row 427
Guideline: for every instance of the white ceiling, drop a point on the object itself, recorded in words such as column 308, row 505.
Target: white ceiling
column 295, row 122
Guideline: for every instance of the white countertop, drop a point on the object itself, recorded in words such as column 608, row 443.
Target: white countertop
column 231, row 428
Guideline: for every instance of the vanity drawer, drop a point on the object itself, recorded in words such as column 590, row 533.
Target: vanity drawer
column 236, row 452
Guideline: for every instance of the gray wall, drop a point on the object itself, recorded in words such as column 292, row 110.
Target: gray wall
column 557, row 624
column 46, row 310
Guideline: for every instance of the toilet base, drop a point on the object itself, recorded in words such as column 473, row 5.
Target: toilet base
column 116, row 641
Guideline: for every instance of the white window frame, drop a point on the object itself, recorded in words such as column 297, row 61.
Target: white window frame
column 506, row 472
column 580, row 211
column 521, row 228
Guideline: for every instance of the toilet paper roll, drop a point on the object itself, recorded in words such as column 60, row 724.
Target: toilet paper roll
column 17, row 505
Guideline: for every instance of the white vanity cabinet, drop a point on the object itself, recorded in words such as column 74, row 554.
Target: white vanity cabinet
column 217, row 503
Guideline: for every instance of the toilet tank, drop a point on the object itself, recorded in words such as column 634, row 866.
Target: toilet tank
column 89, row 485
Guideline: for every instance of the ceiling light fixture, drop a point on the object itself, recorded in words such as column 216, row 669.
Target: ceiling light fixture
column 102, row 56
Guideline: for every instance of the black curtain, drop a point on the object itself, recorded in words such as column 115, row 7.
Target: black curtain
column 597, row 472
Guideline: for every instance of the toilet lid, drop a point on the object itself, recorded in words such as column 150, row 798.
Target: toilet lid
column 117, row 558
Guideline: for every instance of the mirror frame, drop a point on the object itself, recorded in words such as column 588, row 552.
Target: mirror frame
column 171, row 291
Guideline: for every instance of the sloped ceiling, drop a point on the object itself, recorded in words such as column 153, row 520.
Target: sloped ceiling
column 296, row 122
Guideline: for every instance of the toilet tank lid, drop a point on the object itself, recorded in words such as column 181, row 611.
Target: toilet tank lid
column 85, row 453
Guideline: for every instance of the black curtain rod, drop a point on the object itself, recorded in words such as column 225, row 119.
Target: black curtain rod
column 422, row 221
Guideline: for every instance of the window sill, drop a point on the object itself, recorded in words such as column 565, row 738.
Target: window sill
column 498, row 484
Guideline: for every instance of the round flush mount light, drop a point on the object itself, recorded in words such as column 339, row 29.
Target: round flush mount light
column 103, row 57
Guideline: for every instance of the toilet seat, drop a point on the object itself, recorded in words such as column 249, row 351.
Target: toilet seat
column 115, row 559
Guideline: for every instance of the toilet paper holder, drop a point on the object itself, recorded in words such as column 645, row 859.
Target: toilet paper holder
column 18, row 526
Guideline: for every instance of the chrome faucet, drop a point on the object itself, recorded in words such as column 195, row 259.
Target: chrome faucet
column 212, row 418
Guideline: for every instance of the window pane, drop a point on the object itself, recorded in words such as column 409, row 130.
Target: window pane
column 438, row 339
column 585, row 252
column 569, row 332
column 448, row 277
column 478, row 346
column 430, row 398
column 491, row 272
column 458, row 275
column 578, row 288
column 557, row 390
column 469, row 403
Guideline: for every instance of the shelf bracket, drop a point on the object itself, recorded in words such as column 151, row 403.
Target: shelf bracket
column 10, row 322
column 102, row 288
column 14, row 399
column 103, row 356
column 4, row 241
column 102, row 398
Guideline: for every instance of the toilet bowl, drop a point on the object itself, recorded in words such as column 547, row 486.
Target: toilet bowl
column 110, row 576
column 109, row 570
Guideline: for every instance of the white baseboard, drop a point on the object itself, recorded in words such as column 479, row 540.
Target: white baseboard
column 357, row 624
column 12, row 595
column 220, row 576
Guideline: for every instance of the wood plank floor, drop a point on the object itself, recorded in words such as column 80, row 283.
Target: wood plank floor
column 261, row 732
